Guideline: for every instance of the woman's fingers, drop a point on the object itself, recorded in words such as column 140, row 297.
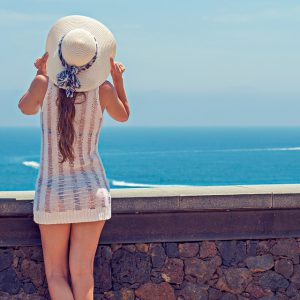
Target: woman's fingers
column 45, row 57
column 112, row 65
column 37, row 63
column 40, row 62
column 121, row 68
column 117, row 68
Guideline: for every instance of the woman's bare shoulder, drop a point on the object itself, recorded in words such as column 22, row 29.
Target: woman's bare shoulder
column 42, row 79
column 106, row 86
column 105, row 90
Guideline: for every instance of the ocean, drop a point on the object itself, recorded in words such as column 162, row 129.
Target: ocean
column 136, row 157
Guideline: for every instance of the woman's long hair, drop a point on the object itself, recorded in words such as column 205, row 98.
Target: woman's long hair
column 65, row 126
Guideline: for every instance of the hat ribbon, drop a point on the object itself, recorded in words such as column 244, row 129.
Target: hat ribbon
column 67, row 78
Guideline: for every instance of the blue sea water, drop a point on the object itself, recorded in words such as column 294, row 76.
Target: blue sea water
column 147, row 157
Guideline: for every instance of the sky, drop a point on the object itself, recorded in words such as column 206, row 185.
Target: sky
column 192, row 63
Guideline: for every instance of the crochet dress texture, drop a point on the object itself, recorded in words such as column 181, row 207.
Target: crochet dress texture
column 71, row 192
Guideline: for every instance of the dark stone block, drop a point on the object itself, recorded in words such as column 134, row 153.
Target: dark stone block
column 203, row 270
column 292, row 290
column 190, row 278
column 102, row 274
column 156, row 276
column 260, row 263
column 6, row 258
column 263, row 247
column 173, row 271
column 116, row 286
column 37, row 254
column 102, row 268
column 188, row 249
column 252, row 247
column 98, row 296
column 296, row 276
column 227, row 250
column 172, row 249
column 33, row 270
column 281, row 296
column 129, row 247
column 284, row 267
column 122, row 294
column 152, row 291
column 295, row 259
column 241, row 251
column 285, row 247
column 158, row 255
column 272, row 280
column 29, row 288
column 4, row 296
column 130, row 267
column 105, row 252
column 243, row 297
column 268, row 297
column 134, row 286
column 234, row 280
column 255, row 291
column 214, row 294
column 26, row 251
column 24, row 296
column 208, row 249
column 142, row 247
column 191, row 291
column 228, row 296
column 9, row 281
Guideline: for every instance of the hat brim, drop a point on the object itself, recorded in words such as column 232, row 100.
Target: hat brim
column 100, row 69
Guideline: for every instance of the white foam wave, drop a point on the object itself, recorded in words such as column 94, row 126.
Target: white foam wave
column 261, row 149
column 132, row 184
column 132, row 153
column 31, row 164
column 284, row 149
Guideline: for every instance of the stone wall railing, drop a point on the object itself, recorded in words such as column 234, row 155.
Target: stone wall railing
column 179, row 243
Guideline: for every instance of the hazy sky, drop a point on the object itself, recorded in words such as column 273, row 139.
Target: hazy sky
column 187, row 63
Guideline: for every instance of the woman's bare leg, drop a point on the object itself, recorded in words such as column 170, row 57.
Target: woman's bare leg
column 83, row 245
column 55, row 244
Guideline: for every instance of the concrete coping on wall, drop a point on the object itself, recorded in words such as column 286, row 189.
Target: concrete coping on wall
column 174, row 213
column 180, row 198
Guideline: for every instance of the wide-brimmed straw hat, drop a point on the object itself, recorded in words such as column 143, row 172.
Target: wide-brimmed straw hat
column 79, row 49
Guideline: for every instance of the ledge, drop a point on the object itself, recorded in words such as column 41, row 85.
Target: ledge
column 178, row 213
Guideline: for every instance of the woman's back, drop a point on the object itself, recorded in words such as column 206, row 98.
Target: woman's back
column 71, row 186
column 71, row 192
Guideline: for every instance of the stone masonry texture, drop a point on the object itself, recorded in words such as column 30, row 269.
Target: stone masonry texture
column 223, row 269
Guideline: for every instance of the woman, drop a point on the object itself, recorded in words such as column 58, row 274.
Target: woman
column 72, row 194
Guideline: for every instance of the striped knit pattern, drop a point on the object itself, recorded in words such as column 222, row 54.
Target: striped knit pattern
column 78, row 191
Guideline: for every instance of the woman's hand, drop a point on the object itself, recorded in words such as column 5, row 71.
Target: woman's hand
column 40, row 64
column 116, row 70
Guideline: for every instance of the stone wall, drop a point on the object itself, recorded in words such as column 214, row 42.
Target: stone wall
column 219, row 269
column 171, row 243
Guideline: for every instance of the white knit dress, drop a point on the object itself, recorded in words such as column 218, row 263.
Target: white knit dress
column 78, row 192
